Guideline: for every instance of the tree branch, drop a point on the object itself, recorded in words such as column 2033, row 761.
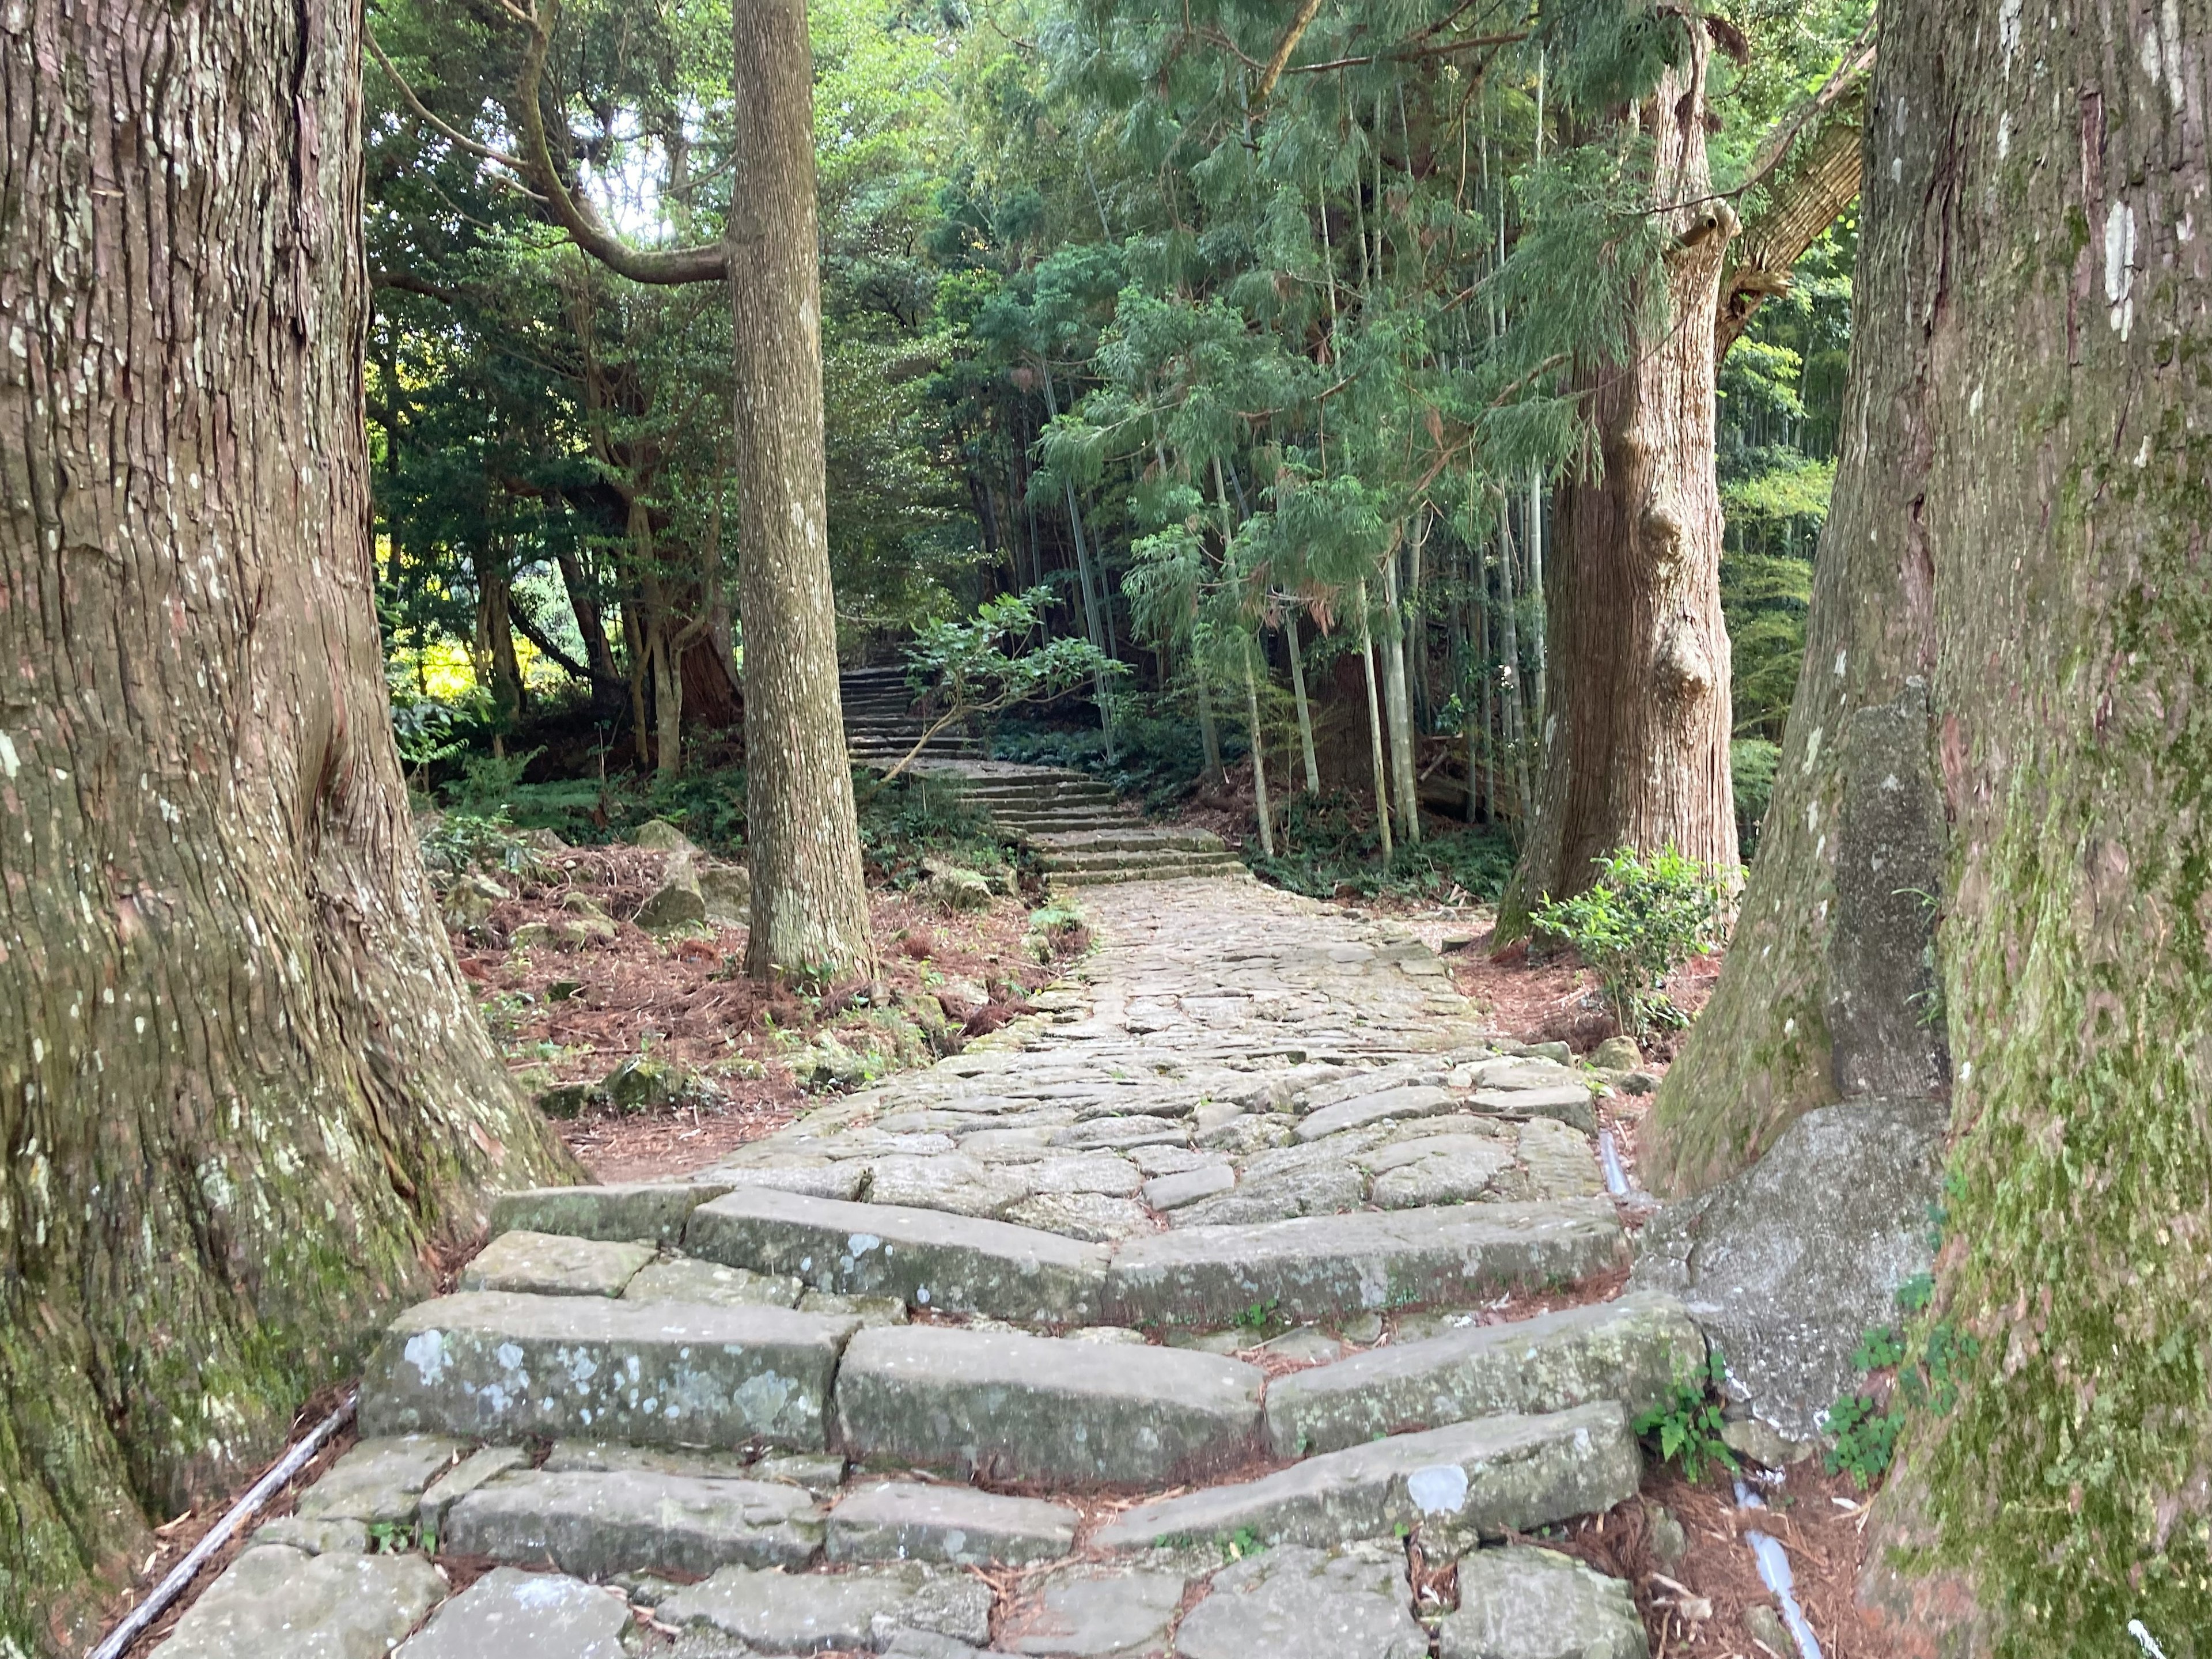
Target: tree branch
column 537, row 636
column 1308, row 10
column 1820, row 182
column 574, row 213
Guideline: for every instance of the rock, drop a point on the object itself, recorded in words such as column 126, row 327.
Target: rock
column 872, row 1311
column 1523, row 1603
column 780, row 1612
column 507, row 1615
column 1523, row 1074
column 1102, row 1173
column 1442, row 1169
column 1298, row 1603
column 1322, row 1268
column 1788, row 1263
column 1631, row 1350
column 380, row 1481
column 337, row 1537
column 927, row 1644
column 1558, row 1160
column 566, row 1100
column 1453, row 1485
column 593, row 1524
column 1764, row 1626
column 1095, row 1613
column 906, row 1520
column 1360, row 1329
column 1120, row 1133
column 653, row 1212
column 1670, row 1540
column 726, row 889
column 954, row 887
column 821, row 1179
column 567, row 934
column 820, row 1474
column 477, row 1469
column 504, row 1368
column 1569, row 1102
column 1558, row 1052
column 1763, row 1445
column 924, row 1257
column 1303, row 1344
column 950, row 1182
column 1020, row 1408
column 960, row 997
column 1113, row 1335
column 1363, row 1110
column 277, row 1604
column 618, row 1457
column 1617, row 1053
column 1092, row 1216
column 1172, row 1191
column 686, row 1279
column 468, row 901
column 1261, row 1196
column 552, row 1264
column 641, row 1084
column 678, row 901
column 1174, row 1160
column 659, row 835
column 1636, row 1083
column 579, row 903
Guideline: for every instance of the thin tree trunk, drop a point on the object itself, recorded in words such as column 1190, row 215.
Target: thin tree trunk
column 1305, row 710
column 584, row 605
column 1638, row 682
column 1375, row 725
column 1259, row 757
column 244, row 1095
column 1096, row 622
column 1400, row 707
column 1209, row 733
column 495, row 643
column 810, row 910
column 1538, row 614
column 1517, row 723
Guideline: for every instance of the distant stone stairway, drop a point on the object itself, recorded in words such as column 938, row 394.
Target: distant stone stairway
column 1225, row 1230
column 1082, row 832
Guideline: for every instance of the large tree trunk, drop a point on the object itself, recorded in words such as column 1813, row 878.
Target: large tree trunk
column 243, row 1088
column 810, row 910
column 1635, row 743
column 2008, row 659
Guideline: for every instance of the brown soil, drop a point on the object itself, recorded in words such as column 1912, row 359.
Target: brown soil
column 573, row 1016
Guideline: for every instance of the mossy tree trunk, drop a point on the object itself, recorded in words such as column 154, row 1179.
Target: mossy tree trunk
column 2011, row 649
column 1634, row 747
column 243, row 1088
column 810, row 908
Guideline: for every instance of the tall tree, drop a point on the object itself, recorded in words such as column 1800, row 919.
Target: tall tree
column 243, row 1088
column 1985, row 863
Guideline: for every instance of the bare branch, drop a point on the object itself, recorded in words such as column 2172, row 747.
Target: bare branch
column 423, row 115
column 1822, row 181
column 1308, row 10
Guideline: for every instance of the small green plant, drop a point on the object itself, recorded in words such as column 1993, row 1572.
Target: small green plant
column 1641, row 920
column 1241, row 1543
column 969, row 669
column 1929, row 1367
column 1685, row 1427
column 456, row 843
column 392, row 1537
column 1256, row 1318
column 1866, row 1438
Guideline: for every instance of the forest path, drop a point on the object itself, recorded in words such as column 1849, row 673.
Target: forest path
column 1220, row 1306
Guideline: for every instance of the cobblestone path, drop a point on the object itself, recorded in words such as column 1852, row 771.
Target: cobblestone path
column 1177, row 1320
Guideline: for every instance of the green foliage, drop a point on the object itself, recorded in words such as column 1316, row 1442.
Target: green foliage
column 1158, row 757
column 963, row 669
column 1930, row 1362
column 1640, row 920
column 456, row 842
column 1329, row 846
column 906, row 820
column 1752, row 763
column 1684, row 1428
column 1865, row 1434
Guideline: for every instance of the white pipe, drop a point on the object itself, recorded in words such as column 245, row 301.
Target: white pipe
column 1616, row 1178
column 1774, row 1570
column 224, row 1530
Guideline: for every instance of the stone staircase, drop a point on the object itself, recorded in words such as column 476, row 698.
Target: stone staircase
column 1137, row 1330
column 1082, row 831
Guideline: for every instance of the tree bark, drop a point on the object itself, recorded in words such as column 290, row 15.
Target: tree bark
column 1399, row 706
column 1375, row 742
column 810, row 910
column 243, row 1088
column 1636, row 740
column 2011, row 605
column 1304, row 707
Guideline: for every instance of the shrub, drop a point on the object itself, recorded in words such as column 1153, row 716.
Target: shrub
column 1640, row 920
column 1687, row 1426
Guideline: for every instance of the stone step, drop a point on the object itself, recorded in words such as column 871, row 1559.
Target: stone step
column 1320, row 1267
column 1120, row 858
column 1454, row 1487
column 1030, row 1408
column 1633, row 1350
column 653, row 1212
column 486, row 1365
column 597, row 1523
column 956, row 1526
column 927, row 1258
column 1156, row 871
column 866, row 1610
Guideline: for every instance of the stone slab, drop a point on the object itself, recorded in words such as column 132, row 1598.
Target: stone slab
column 653, row 1212
column 1633, row 1351
column 842, row 1179
column 594, row 1525
column 1322, row 1268
column 1418, row 1101
column 380, row 1481
column 497, row 1367
column 473, row 1471
column 1034, row 1408
column 1298, row 1603
column 336, row 1536
column 779, row 1612
column 1522, row 1073
column 278, row 1603
column 507, row 1614
column 909, row 1519
column 1172, row 1191
column 687, row 1278
column 926, row 1257
column 1519, row 1602
column 1454, row 1484
column 1096, row 1612
column 1440, row 1170
column 1569, row 1102
column 555, row 1264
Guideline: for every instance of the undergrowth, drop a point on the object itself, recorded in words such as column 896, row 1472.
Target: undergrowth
column 1329, row 847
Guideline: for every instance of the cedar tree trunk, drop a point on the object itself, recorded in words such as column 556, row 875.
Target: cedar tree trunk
column 810, row 910
column 1635, row 743
column 243, row 1088
column 2011, row 654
